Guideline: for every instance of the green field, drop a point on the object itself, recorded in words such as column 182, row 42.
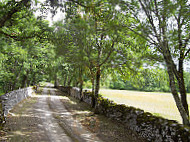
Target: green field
column 160, row 104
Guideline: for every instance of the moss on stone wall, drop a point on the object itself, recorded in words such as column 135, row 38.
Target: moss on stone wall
column 148, row 126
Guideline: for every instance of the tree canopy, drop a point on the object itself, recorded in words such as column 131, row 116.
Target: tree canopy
column 132, row 44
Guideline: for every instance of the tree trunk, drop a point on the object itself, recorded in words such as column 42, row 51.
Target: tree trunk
column 93, row 92
column 56, row 84
column 179, row 105
column 69, row 81
column 34, row 79
column 81, row 90
column 10, row 86
column 24, row 81
column 17, row 77
column 81, row 83
column 28, row 82
column 171, row 73
column 65, row 80
column 97, row 87
column 93, row 84
column 183, row 96
column 182, row 88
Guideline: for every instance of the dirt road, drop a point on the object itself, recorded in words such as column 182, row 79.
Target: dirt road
column 44, row 118
column 49, row 116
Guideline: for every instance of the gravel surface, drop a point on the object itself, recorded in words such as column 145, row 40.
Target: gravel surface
column 44, row 118
column 106, row 129
column 50, row 116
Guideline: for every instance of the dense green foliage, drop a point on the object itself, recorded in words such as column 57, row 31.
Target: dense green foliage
column 151, row 80
column 24, row 52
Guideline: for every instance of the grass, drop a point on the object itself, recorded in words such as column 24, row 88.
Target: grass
column 20, row 122
column 157, row 103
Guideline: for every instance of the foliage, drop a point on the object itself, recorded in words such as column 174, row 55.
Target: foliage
column 165, row 26
column 98, row 39
column 147, row 80
column 25, row 51
column 93, row 43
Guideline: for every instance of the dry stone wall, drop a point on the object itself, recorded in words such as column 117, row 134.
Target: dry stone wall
column 9, row 100
column 148, row 126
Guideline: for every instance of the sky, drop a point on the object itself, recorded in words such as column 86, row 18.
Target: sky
column 57, row 17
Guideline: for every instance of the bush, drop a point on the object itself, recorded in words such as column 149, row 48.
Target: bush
column 87, row 84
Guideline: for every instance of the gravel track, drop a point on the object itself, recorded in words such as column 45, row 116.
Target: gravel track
column 44, row 118
column 50, row 116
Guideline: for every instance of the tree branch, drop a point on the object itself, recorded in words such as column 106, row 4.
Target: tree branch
column 150, row 19
column 109, row 54
column 149, row 39
column 21, row 38
column 78, row 3
column 186, row 41
column 7, row 35
column 18, row 7
column 188, row 51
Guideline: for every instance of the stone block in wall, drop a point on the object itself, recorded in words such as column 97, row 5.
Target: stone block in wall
column 10, row 99
column 87, row 97
column 65, row 89
column 75, row 92
column 151, row 128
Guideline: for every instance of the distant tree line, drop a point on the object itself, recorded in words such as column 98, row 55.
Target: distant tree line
column 151, row 80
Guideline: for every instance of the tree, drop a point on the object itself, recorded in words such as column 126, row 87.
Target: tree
column 165, row 25
column 24, row 46
column 92, row 37
column 187, row 81
column 9, row 8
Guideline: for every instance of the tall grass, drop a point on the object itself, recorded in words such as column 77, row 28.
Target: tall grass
column 161, row 104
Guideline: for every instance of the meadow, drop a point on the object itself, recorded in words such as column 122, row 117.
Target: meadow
column 157, row 103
